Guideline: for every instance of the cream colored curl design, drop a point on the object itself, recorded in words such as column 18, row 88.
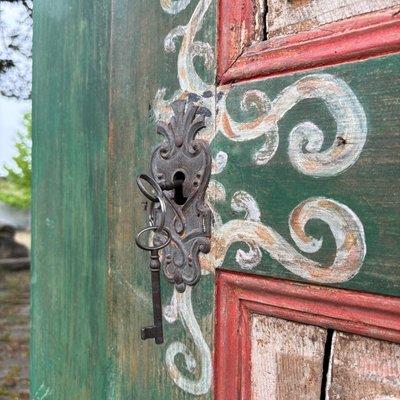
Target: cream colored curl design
column 305, row 143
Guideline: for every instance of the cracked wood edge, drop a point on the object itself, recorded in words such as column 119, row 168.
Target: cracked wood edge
column 239, row 295
column 286, row 359
column 240, row 57
column 363, row 368
column 294, row 16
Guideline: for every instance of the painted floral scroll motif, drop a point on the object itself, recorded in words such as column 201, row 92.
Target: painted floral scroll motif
column 306, row 155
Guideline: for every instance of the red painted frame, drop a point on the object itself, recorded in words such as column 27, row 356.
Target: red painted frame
column 354, row 39
column 239, row 295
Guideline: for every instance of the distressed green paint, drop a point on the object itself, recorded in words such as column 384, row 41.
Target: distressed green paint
column 139, row 67
column 70, row 134
column 98, row 66
column 370, row 187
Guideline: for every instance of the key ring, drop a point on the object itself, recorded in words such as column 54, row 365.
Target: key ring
column 153, row 184
column 155, row 229
column 154, row 199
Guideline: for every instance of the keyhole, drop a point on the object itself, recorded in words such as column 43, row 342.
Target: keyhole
column 179, row 178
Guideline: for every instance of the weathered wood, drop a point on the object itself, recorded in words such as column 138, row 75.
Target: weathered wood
column 239, row 296
column 242, row 56
column 140, row 67
column 271, row 193
column 363, row 368
column 286, row 359
column 295, row 16
column 100, row 67
column 236, row 30
column 69, row 227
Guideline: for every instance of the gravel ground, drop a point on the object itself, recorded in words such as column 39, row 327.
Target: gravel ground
column 14, row 335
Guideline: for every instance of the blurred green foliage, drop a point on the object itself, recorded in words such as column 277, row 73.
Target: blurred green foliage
column 15, row 189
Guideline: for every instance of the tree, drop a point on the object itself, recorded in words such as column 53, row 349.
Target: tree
column 16, row 189
column 16, row 48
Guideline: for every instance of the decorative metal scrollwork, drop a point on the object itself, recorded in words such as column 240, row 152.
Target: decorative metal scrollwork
column 181, row 165
column 179, row 217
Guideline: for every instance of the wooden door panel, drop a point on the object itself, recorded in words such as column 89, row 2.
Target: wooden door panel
column 321, row 140
column 288, row 362
column 286, row 359
column 363, row 368
column 69, row 200
column 98, row 91
column 289, row 17
column 241, row 296
column 245, row 54
column 100, row 69
column 143, row 72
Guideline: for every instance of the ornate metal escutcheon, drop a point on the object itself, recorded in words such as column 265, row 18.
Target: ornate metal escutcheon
column 181, row 168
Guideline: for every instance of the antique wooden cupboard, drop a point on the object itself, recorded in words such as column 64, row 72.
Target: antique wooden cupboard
column 299, row 296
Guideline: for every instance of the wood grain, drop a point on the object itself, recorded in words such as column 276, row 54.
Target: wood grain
column 363, row 368
column 239, row 296
column 242, row 56
column 286, row 359
column 69, row 227
column 139, row 67
column 295, row 16
column 98, row 66
column 369, row 187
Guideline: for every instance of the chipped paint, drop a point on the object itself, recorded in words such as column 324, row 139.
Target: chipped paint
column 294, row 16
column 341, row 102
column 183, row 305
column 42, row 392
column 219, row 162
column 174, row 7
column 344, row 224
column 289, row 354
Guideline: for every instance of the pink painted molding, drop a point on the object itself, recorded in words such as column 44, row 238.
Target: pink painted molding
column 239, row 295
column 357, row 38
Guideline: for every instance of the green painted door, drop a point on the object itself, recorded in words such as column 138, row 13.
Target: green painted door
column 305, row 187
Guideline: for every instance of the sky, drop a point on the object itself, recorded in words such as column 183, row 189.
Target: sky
column 11, row 110
column 11, row 118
